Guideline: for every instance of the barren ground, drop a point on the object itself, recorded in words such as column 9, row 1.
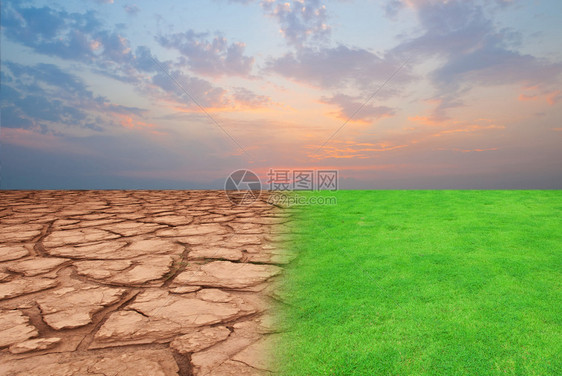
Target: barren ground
column 137, row 283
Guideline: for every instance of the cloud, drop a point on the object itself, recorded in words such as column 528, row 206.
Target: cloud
column 144, row 60
column 241, row 1
column 354, row 149
column 337, row 67
column 30, row 100
column 199, row 89
column 355, row 109
column 393, row 7
column 554, row 97
column 31, row 77
column 133, row 10
column 425, row 120
column 114, row 47
column 472, row 128
column 72, row 36
column 468, row 150
column 45, row 98
column 301, row 21
column 82, row 37
column 535, row 93
column 51, row 32
column 248, row 99
column 210, row 97
column 13, row 117
column 213, row 58
column 473, row 49
column 495, row 66
column 128, row 121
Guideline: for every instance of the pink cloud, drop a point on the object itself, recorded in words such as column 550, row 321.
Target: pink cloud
column 426, row 120
column 551, row 97
column 468, row 150
column 353, row 149
column 353, row 109
column 40, row 141
column 131, row 121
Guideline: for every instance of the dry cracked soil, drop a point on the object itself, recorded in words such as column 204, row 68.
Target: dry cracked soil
column 138, row 283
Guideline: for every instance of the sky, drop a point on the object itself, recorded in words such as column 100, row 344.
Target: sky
column 391, row 94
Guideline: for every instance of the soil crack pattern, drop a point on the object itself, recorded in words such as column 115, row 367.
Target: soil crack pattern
column 139, row 282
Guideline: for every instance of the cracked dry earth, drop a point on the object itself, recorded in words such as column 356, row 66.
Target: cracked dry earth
column 138, row 283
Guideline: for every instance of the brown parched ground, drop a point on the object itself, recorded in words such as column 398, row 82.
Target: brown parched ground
column 138, row 283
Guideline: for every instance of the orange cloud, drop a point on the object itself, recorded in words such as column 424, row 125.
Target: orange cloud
column 341, row 116
column 158, row 133
column 131, row 122
column 551, row 97
column 214, row 110
column 433, row 101
column 470, row 128
column 467, row 150
column 425, row 120
column 460, row 129
column 526, row 98
column 352, row 150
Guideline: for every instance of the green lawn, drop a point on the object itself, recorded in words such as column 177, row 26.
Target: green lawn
column 426, row 283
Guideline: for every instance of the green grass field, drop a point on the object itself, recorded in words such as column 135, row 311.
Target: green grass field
column 426, row 283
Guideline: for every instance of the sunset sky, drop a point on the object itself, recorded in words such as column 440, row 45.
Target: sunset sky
column 433, row 93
